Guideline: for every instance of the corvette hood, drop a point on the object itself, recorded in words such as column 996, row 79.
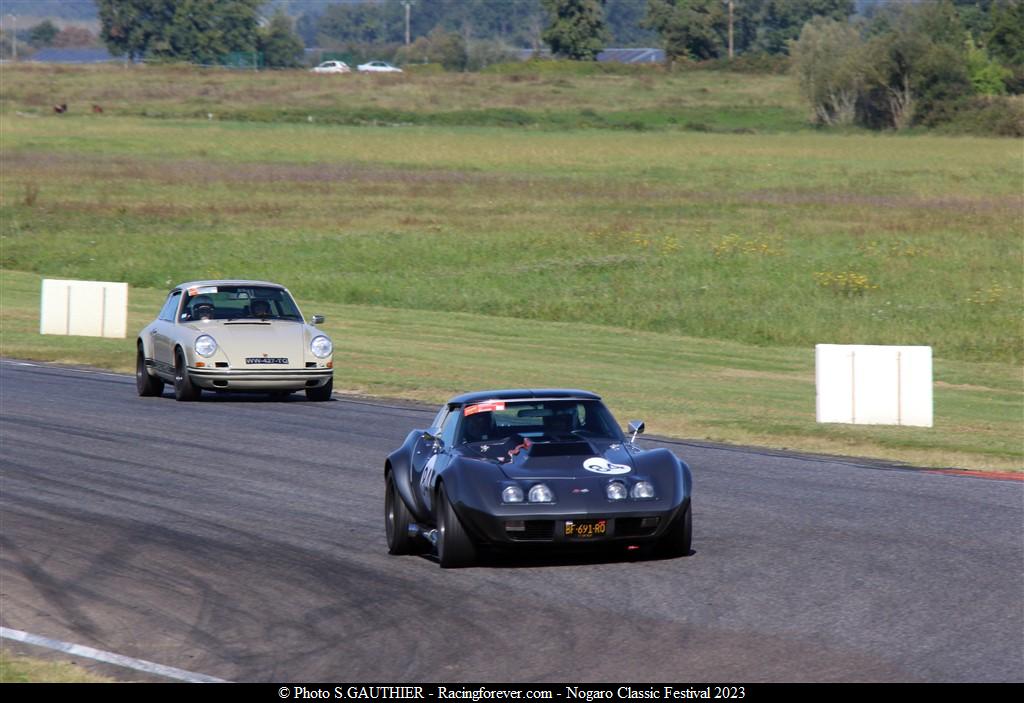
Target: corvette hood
column 240, row 340
column 568, row 460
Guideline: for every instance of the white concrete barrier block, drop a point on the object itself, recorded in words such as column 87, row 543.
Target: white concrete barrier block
column 85, row 308
column 833, row 372
column 874, row 385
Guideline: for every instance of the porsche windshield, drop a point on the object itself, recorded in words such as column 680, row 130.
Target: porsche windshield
column 238, row 302
column 539, row 420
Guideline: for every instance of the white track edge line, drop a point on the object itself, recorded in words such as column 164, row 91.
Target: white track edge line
column 108, row 657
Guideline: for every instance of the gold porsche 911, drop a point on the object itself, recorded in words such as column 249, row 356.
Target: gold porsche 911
column 233, row 336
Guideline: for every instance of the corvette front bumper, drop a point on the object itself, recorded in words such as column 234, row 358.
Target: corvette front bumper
column 633, row 524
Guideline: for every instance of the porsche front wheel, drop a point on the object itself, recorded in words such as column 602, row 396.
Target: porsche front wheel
column 321, row 393
column 145, row 384
column 184, row 389
column 454, row 547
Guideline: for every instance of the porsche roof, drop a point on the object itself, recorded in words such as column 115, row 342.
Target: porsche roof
column 232, row 282
column 522, row 394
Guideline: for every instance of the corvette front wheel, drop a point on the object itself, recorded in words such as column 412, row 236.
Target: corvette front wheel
column 454, row 547
column 396, row 521
column 676, row 542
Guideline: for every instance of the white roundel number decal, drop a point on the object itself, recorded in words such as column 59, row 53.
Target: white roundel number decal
column 603, row 466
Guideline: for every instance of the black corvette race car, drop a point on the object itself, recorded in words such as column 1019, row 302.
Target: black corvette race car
column 527, row 468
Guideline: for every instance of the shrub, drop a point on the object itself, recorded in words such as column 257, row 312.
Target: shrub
column 984, row 115
column 445, row 48
column 987, row 76
column 828, row 61
column 423, row 69
column 752, row 63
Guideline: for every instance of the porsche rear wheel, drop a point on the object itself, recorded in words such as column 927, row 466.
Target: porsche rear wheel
column 396, row 520
column 321, row 393
column 145, row 384
column 676, row 542
column 184, row 389
column 454, row 547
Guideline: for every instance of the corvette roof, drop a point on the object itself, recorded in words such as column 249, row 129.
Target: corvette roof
column 522, row 394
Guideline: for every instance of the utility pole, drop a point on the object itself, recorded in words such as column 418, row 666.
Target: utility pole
column 14, row 36
column 408, row 7
column 730, row 30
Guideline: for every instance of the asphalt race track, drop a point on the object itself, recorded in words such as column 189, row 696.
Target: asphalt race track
column 243, row 538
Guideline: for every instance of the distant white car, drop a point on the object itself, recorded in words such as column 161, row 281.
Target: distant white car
column 332, row 67
column 378, row 67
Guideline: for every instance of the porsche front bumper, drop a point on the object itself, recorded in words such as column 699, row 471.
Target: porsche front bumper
column 223, row 379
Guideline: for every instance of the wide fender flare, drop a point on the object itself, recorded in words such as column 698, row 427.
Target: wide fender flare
column 147, row 345
column 666, row 469
column 471, row 484
column 401, row 474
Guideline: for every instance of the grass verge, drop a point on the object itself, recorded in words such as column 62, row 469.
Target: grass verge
column 784, row 240
column 21, row 669
column 683, row 387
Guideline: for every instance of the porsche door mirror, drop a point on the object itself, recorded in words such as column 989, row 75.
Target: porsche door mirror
column 635, row 427
column 317, row 320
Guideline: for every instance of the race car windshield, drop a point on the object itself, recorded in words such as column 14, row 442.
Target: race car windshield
column 538, row 420
column 239, row 303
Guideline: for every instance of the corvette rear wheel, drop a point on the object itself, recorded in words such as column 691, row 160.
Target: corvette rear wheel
column 184, row 389
column 454, row 547
column 145, row 384
column 676, row 542
column 396, row 521
column 321, row 393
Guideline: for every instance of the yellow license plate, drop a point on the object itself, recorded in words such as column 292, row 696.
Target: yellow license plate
column 586, row 529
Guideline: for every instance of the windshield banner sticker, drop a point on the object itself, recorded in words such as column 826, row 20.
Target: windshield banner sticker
column 488, row 407
column 602, row 466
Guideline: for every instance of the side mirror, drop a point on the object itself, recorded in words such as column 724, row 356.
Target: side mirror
column 636, row 427
column 317, row 320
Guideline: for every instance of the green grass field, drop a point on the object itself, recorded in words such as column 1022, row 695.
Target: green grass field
column 635, row 98
column 684, row 274
column 21, row 669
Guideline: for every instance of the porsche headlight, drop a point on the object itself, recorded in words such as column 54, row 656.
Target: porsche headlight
column 321, row 347
column 539, row 493
column 512, row 494
column 616, row 490
column 205, row 345
column 642, row 490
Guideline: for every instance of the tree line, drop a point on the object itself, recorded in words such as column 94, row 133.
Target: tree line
column 877, row 63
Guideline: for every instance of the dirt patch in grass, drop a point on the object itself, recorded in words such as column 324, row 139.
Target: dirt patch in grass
column 200, row 171
column 883, row 201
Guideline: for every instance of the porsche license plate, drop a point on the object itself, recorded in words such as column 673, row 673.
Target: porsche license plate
column 586, row 529
column 266, row 360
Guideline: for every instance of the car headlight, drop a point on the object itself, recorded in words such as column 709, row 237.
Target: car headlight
column 642, row 490
column 616, row 490
column 540, row 493
column 205, row 345
column 321, row 347
column 512, row 494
